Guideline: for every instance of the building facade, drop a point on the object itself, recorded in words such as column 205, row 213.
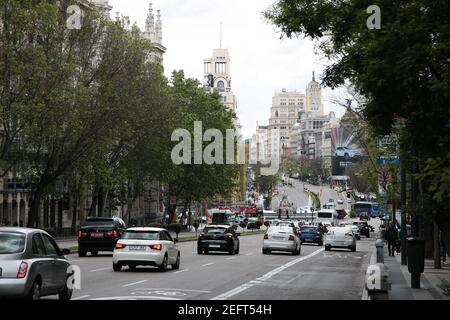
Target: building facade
column 217, row 77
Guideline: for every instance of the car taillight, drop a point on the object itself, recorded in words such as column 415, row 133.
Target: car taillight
column 291, row 238
column 82, row 234
column 228, row 236
column 266, row 236
column 201, row 235
column 23, row 269
column 112, row 234
column 120, row 246
column 318, row 233
column 155, row 246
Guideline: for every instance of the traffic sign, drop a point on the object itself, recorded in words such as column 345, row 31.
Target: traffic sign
column 384, row 161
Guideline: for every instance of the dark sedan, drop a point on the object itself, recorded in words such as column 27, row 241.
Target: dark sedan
column 32, row 265
column 218, row 238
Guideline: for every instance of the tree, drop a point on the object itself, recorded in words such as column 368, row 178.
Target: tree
column 402, row 70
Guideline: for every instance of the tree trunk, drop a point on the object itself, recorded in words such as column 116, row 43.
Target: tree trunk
column 94, row 202
column 33, row 214
column 436, row 244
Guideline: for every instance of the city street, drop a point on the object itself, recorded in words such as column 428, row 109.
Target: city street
column 315, row 274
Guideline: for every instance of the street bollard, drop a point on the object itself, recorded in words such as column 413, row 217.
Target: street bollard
column 416, row 260
column 380, row 250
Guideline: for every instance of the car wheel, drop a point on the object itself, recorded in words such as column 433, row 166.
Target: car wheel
column 231, row 252
column 294, row 253
column 82, row 253
column 163, row 266
column 237, row 250
column 199, row 250
column 327, row 248
column 264, row 251
column 35, row 291
column 353, row 249
column 320, row 243
column 132, row 267
column 176, row 266
column 94, row 253
column 66, row 293
column 117, row 267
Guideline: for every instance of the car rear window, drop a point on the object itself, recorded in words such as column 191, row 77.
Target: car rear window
column 214, row 231
column 11, row 242
column 280, row 230
column 97, row 227
column 309, row 229
column 141, row 235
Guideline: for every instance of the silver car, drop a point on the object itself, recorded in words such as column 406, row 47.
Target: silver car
column 281, row 238
column 32, row 265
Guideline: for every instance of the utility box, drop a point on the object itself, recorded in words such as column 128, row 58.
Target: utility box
column 416, row 255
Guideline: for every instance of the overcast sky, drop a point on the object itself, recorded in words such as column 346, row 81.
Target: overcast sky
column 261, row 63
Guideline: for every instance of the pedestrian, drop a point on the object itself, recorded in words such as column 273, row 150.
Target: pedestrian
column 391, row 237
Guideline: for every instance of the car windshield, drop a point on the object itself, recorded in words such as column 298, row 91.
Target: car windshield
column 11, row 243
column 141, row 235
column 214, row 231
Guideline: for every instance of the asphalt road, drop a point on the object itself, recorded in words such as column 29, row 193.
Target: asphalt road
column 315, row 274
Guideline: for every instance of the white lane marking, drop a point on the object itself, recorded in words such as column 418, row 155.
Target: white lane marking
column 249, row 254
column 77, row 260
column 134, row 283
column 184, row 270
column 172, row 289
column 208, row 264
column 137, row 298
column 288, row 265
column 102, row 269
column 233, row 292
column 265, row 277
column 82, row 297
column 232, row 258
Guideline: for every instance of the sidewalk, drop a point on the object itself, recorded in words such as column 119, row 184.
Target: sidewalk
column 433, row 281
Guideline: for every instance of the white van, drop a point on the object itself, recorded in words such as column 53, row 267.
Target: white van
column 328, row 215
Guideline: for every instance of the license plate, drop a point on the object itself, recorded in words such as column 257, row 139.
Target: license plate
column 309, row 240
column 137, row 248
column 96, row 235
column 214, row 246
column 278, row 238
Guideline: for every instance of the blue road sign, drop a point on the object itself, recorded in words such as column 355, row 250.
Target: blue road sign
column 384, row 161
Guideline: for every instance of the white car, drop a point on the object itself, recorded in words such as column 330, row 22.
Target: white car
column 281, row 238
column 340, row 237
column 347, row 152
column 354, row 229
column 146, row 247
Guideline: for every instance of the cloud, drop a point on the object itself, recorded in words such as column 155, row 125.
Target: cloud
column 261, row 63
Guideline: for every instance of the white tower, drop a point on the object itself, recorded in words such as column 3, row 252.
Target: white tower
column 153, row 32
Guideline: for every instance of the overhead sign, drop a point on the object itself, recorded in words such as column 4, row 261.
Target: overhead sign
column 383, row 161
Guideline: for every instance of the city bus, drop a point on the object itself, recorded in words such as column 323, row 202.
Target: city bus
column 371, row 208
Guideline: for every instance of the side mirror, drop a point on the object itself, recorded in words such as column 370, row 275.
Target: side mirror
column 175, row 240
column 65, row 252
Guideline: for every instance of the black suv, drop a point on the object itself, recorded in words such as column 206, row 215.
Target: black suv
column 218, row 238
column 364, row 228
column 99, row 234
